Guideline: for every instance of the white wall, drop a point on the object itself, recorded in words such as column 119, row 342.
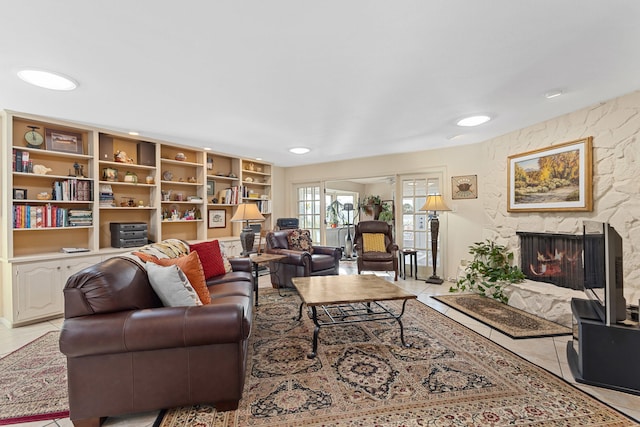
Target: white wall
column 615, row 127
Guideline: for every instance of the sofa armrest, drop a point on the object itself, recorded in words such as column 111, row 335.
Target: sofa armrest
column 393, row 247
column 152, row 329
column 240, row 264
column 328, row 250
column 293, row 257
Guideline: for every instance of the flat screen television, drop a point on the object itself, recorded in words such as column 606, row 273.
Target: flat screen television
column 602, row 260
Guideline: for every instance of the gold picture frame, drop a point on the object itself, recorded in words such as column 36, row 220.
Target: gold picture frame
column 556, row 178
column 464, row 187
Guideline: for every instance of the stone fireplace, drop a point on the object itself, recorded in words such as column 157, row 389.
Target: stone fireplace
column 552, row 258
column 552, row 264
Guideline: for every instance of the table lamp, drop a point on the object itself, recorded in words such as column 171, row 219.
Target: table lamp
column 435, row 203
column 247, row 212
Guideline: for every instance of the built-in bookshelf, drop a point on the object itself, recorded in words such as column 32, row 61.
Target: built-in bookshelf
column 66, row 191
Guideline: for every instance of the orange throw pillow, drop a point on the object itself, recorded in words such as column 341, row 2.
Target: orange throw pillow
column 192, row 268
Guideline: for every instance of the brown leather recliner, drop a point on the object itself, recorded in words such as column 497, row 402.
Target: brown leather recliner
column 325, row 260
column 376, row 261
column 127, row 353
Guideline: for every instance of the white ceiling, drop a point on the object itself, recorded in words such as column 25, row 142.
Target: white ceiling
column 346, row 78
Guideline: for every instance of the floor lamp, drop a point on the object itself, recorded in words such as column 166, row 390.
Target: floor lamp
column 434, row 203
column 348, row 242
column 247, row 212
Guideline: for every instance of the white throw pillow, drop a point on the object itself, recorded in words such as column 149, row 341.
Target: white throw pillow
column 172, row 285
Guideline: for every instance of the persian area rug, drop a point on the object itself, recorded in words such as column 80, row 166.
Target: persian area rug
column 33, row 382
column 362, row 376
column 509, row 320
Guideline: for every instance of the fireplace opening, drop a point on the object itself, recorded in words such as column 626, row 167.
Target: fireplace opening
column 552, row 258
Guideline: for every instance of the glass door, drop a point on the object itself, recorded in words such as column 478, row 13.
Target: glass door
column 309, row 210
column 415, row 222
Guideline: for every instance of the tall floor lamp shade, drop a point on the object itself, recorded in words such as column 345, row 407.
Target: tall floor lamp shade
column 434, row 203
column 247, row 212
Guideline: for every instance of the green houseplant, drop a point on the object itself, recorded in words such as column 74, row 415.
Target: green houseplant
column 490, row 271
column 371, row 205
column 386, row 214
column 335, row 214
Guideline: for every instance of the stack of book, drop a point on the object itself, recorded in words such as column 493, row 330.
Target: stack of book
column 80, row 218
column 106, row 196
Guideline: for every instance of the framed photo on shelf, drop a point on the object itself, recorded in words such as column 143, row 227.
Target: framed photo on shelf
column 556, row 178
column 217, row 218
column 211, row 188
column 64, row 141
column 19, row 194
column 464, row 187
column 110, row 174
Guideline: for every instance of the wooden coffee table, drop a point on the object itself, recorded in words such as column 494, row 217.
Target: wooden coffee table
column 348, row 299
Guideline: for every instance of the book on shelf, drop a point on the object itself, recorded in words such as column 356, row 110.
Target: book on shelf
column 41, row 216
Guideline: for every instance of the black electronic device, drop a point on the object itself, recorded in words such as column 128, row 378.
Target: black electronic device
column 603, row 273
column 128, row 234
column 287, row 223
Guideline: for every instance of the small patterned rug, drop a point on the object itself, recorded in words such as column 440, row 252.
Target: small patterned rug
column 509, row 320
column 362, row 376
column 33, row 382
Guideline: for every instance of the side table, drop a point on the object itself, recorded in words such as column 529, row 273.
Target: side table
column 257, row 260
column 413, row 262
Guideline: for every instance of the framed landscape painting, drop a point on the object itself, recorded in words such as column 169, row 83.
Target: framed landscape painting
column 556, row 178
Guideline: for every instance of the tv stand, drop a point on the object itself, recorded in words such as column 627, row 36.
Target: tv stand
column 600, row 355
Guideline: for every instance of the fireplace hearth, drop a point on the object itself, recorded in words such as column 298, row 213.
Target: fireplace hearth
column 552, row 258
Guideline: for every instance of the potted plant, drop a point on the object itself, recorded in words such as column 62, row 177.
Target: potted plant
column 334, row 213
column 490, row 271
column 371, row 205
column 386, row 214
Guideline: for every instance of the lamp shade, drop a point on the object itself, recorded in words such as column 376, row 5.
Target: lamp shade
column 435, row 202
column 247, row 212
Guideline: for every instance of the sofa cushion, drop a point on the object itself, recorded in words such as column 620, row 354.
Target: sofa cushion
column 210, row 257
column 234, row 276
column 172, row 286
column 192, row 268
column 300, row 240
column 373, row 242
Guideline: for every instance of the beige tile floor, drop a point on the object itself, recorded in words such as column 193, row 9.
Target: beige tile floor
column 549, row 353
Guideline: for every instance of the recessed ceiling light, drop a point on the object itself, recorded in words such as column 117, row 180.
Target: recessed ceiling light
column 47, row 79
column 299, row 150
column 553, row 94
column 473, row 120
column 133, row 133
column 207, row 148
column 258, row 158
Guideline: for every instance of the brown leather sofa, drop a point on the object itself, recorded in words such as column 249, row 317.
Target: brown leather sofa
column 127, row 353
column 324, row 261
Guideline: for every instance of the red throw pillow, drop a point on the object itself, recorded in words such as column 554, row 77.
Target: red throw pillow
column 192, row 268
column 210, row 257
